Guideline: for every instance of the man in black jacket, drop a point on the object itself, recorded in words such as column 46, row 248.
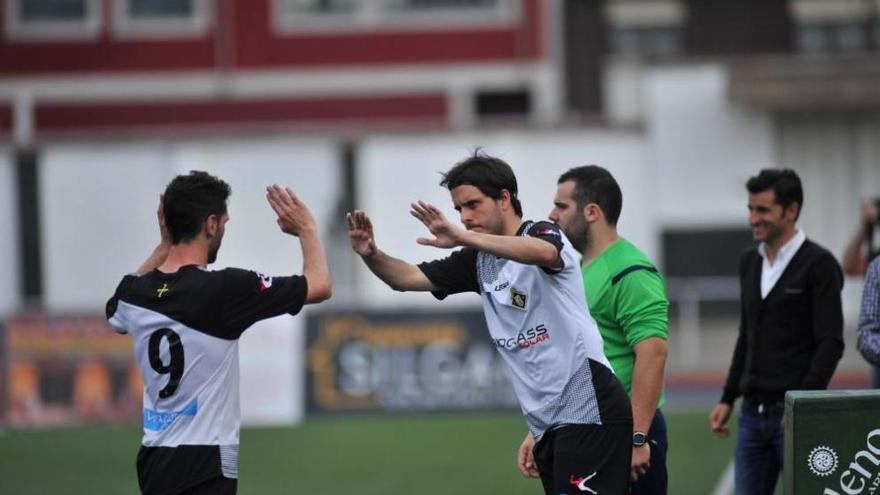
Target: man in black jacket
column 791, row 328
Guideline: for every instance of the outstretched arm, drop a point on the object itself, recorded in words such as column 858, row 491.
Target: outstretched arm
column 161, row 251
column 526, row 250
column 398, row 274
column 295, row 219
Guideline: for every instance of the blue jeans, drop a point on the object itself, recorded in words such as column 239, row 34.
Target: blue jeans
column 655, row 481
column 759, row 447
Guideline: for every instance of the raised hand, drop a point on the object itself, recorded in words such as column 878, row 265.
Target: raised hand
column 294, row 216
column 446, row 235
column 360, row 233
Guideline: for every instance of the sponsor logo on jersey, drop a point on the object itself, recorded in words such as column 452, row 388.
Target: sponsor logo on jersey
column 161, row 291
column 265, row 281
column 158, row 421
column 518, row 299
column 581, row 483
column 501, row 286
column 524, row 339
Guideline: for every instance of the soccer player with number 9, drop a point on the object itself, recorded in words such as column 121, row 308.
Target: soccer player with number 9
column 186, row 321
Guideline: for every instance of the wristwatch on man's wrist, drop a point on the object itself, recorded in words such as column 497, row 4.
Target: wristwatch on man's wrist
column 639, row 439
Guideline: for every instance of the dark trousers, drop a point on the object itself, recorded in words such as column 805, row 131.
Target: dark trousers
column 759, row 447
column 656, row 480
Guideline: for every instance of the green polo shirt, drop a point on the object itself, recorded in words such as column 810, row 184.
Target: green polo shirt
column 627, row 298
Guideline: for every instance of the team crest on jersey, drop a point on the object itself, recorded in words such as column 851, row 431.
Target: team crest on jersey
column 518, row 299
column 265, row 281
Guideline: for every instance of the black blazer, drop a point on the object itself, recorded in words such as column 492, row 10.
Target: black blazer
column 793, row 339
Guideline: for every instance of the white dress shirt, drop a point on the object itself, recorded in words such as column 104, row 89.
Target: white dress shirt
column 770, row 273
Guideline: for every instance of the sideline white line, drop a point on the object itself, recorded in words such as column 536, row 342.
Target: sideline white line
column 725, row 483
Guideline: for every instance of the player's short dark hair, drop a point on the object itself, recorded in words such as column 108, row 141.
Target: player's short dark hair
column 594, row 184
column 189, row 200
column 785, row 183
column 489, row 174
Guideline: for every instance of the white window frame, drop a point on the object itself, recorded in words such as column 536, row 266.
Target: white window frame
column 127, row 27
column 19, row 30
column 372, row 16
column 646, row 19
column 825, row 11
column 645, row 13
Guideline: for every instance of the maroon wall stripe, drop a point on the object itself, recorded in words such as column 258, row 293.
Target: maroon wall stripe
column 123, row 115
column 5, row 118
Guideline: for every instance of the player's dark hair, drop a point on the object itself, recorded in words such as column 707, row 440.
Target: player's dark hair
column 594, row 184
column 189, row 200
column 785, row 183
column 489, row 174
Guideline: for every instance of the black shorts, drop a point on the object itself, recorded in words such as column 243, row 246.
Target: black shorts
column 216, row 486
column 585, row 459
column 185, row 469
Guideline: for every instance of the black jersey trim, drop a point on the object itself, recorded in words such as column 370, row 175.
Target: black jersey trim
column 614, row 403
column 617, row 278
column 555, row 239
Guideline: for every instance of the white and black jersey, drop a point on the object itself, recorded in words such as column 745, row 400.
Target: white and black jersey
column 186, row 327
column 539, row 322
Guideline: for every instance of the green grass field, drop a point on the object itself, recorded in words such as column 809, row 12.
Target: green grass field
column 388, row 455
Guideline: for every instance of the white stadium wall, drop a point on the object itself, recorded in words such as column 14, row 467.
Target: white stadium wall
column 702, row 147
column 839, row 162
column 98, row 204
column 98, row 214
column 9, row 282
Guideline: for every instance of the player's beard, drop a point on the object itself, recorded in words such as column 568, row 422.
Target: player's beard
column 578, row 233
column 214, row 249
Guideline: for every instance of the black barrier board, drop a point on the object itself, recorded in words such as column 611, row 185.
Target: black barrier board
column 411, row 361
column 832, row 442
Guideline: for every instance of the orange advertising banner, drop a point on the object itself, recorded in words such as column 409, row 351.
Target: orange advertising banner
column 58, row 370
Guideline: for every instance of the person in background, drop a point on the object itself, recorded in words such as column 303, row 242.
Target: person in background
column 626, row 295
column 863, row 246
column 791, row 328
column 862, row 249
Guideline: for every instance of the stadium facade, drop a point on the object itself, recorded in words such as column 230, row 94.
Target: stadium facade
column 362, row 103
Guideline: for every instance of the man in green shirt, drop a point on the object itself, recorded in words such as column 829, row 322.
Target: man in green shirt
column 626, row 295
